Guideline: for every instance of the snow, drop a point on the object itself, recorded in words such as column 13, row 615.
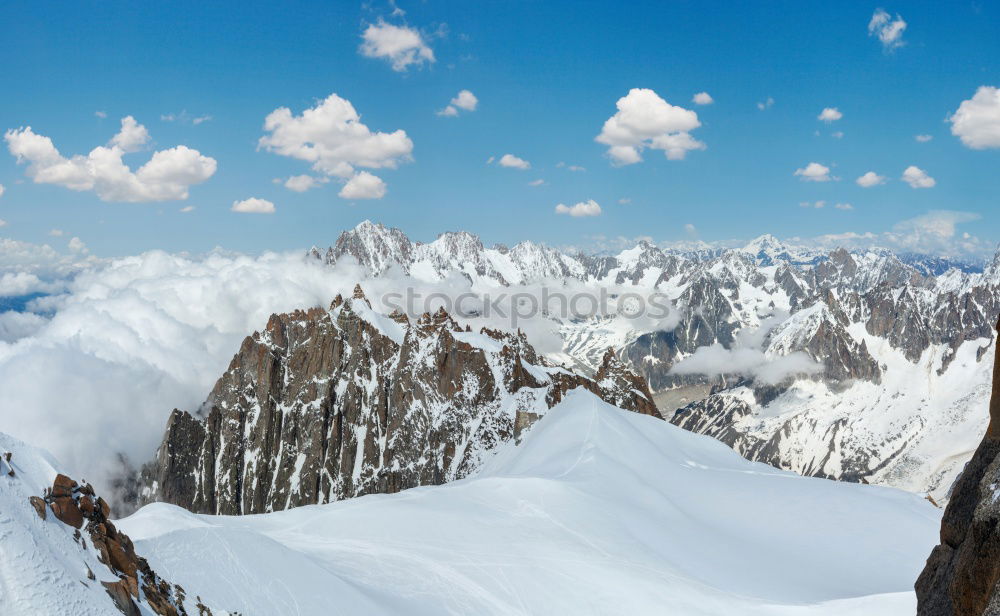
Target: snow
column 596, row 511
column 42, row 569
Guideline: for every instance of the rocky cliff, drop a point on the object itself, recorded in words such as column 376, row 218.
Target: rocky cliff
column 962, row 576
column 327, row 404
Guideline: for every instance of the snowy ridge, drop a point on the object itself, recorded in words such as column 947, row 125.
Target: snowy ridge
column 638, row 512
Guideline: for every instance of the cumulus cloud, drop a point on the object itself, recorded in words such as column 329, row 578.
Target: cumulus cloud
column 829, row 114
column 844, row 206
column 167, row 176
column 77, row 246
column 917, row 177
column 573, row 168
column 101, row 114
column 923, row 138
column 363, row 185
column 765, row 104
column 400, row 46
column 537, row 182
column 702, row 98
column 977, row 121
column 464, row 100
column 17, row 325
column 14, row 284
column 870, row 179
column 584, row 208
column 3, row 223
column 644, row 120
column 814, row 172
column 887, row 30
column 41, row 260
column 2, row 190
column 302, row 183
column 332, row 137
column 816, row 205
column 186, row 209
column 513, row 162
column 253, row 205
column 56, row 232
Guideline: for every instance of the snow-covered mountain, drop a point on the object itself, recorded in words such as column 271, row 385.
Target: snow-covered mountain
column 333, row 403
column 596, row 511
column 61, row 554
column 902, row 347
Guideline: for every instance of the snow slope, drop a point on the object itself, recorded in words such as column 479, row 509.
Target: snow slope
column 42, row 569
column 597, row 511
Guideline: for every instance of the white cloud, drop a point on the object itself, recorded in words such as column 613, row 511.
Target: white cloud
column 746, row 358
column 17, row 325
column 917, row 177
column 363, row 185
column 186, row 209
column 584, row 208
column 934, row 233
column 691, row 230
column 644, row 120
column 716, row 360
column 814, row 172
column 464, row 100
column 3, row 223
column 889, row 31
column 2, row 190
column 702, row 98
column 167, row 176
column 829, row 114
column 573, row 168
column 14, row 284
column 838, row 134
column 253, row 205
column 401, row 46
column 765, row 104
column 101, row 114
column 923, row 138
column 816, row 205
column 977, row 121
column 302, row 183
column 513, row 162
column 624, row 201
column 77, row 246
column 844, row 206
column 184, row 118
column 56, row 232
column 537, row 182
column 870, row 179
column 332, row 137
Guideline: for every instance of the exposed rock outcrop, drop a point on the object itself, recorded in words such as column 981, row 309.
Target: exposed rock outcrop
column 327, row 404
column 962, row 575
column 77, row 506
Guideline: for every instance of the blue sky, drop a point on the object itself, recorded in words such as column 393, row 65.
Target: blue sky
column 546, row 76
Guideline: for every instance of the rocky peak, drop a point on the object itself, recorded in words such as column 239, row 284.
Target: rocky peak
column 331, row 404
column 374, row 246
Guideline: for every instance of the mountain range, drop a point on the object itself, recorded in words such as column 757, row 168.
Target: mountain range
column 855, row 365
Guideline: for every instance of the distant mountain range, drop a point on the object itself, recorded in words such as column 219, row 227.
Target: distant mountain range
column 901, row 341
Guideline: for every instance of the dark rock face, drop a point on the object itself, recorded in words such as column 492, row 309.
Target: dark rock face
column 962, row 575
column 329, row 404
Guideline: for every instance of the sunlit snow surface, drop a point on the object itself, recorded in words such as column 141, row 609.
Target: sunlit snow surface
column 597, row 511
